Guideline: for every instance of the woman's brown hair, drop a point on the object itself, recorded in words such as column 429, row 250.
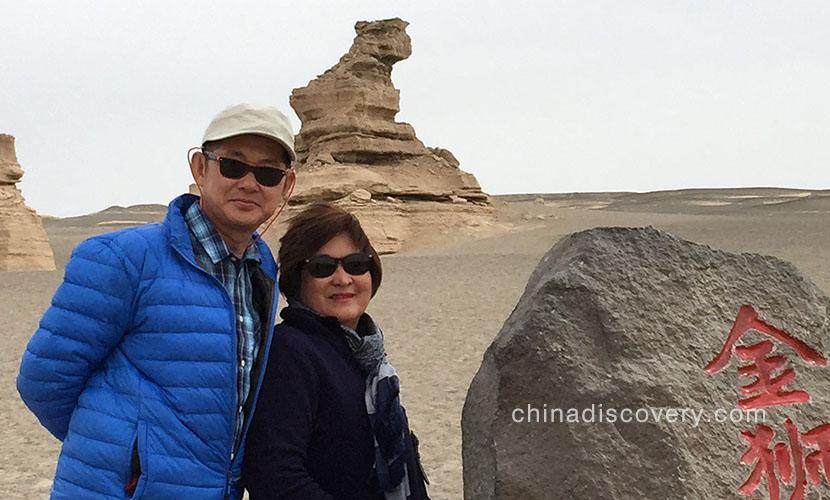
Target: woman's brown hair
column 307, row 232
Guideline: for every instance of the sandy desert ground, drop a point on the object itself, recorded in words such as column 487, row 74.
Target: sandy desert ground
column 440, row 304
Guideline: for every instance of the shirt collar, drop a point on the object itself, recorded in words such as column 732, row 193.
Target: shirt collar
column 211, row 241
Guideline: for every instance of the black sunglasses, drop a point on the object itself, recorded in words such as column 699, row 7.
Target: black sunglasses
column 235, row 169
column 323, row 266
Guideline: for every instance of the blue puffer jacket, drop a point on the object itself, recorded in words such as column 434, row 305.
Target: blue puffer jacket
column 137, row 352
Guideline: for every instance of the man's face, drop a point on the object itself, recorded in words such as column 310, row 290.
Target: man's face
column 237, row 207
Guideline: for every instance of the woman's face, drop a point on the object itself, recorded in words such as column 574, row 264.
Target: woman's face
column 341, row 295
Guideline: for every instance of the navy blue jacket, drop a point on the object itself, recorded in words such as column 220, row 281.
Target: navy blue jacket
column 136, row 359
column 310, row 437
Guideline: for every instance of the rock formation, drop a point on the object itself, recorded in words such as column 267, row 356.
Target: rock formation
column 350, row 142
column 23, row 242
column 616, row 318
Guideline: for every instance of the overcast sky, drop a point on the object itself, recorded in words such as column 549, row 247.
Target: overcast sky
column 105, row 97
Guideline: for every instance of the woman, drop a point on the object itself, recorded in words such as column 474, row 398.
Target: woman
column 328, row 423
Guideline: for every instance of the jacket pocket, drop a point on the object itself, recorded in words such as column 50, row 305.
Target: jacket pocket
column 137, row 479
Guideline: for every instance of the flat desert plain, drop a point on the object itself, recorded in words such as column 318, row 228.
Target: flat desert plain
column 441, row 302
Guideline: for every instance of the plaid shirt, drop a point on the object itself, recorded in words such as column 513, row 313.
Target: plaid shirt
column 215, row 257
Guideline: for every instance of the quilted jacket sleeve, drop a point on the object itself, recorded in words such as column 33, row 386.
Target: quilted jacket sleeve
column 88, row 316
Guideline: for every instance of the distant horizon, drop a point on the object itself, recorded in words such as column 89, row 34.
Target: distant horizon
column 564, row 193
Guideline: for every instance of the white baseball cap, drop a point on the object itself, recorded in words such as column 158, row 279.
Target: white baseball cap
column 246, row 118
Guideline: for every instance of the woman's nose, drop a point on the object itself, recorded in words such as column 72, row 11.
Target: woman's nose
column 340, row 276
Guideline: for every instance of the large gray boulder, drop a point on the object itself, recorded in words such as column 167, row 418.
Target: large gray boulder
column 629, row 318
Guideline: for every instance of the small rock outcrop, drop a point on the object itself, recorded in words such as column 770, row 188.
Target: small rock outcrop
column 350, row 142
column 628, row 318
column 23, row 242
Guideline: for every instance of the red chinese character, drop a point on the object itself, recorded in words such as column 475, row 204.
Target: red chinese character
column 748, row 319
column 820, row 438
column 798, row 461
column 768, row 391
column 762, row 455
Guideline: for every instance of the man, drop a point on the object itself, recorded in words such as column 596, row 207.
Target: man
column 148, row 361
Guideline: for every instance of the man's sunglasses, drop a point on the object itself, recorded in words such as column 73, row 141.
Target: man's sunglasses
column 323, row 266
column 235, row 169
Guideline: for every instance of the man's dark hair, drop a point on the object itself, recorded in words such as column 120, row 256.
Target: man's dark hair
column 307, row 232
column 211, row 145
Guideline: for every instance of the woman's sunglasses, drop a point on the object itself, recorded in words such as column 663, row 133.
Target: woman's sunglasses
column 323, row 266
column 235, row 169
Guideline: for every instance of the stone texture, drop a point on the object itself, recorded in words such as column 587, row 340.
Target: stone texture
column 360, row 196
column 23, row 242
column 628, row 318
column 349, row 139
column 393, row 225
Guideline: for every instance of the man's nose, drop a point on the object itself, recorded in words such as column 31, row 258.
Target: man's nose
column 248, row 181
